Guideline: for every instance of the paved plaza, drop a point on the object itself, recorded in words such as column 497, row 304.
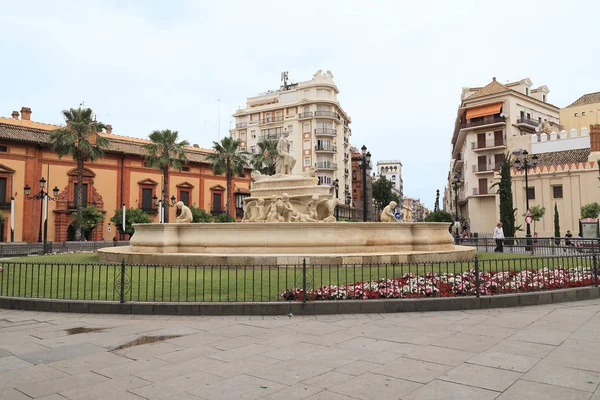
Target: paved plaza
column 542, row 352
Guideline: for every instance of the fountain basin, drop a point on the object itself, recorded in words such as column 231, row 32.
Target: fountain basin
column 288, row 243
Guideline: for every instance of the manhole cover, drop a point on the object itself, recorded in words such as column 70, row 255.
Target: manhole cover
column 145, row 340
column 75, row 331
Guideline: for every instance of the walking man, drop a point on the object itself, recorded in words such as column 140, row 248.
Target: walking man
column 499, row 236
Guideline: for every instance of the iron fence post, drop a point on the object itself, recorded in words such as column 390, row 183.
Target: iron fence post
column 476, row 275
column 304, row 280
column 595, row 269
column 122, row 288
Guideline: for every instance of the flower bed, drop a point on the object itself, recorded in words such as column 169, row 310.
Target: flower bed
column 451, row 285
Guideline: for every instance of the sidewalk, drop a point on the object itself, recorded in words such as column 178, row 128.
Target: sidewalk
column 545, row 352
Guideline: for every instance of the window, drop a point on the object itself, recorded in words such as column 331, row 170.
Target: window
column 323, row 107
column 527, row 91
column 254, row 117
column 184, row 196
column 354, row 174
column 583, row 113
column 531, row 193
column 291, row 111
column 557, row 192
column 253, row 133
column 307, row 161
column 306, row 127
column 146, row 164
column 290, row 128
column 577, row 114
column 216, row 202
column 544, row 98
column 323, row 92
column 146, row 199
column 3, row 149
column 84, row 197
column 306, row 109
column 185, row 169
column 307, row 145
column 324, row 180
column 3, row 198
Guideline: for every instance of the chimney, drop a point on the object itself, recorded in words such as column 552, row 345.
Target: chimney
column 494, row 79
column 25, row 114
column 109, row 129
column 15, row 115
column 196, row 145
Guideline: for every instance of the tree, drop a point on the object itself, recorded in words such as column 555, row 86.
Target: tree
column 228, row 159
column 266, row 157
column 439, row 216
column 132, row 216
column 436, row 206
column 507, row 212
column 537, row 213
column 165, row 151
column 383, row 193
column 591, row 210
column 225, row 217
column 556, row 223
column 80, row 140
column 90, row 218
column 200, row 216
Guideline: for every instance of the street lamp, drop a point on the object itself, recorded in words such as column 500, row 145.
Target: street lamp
column 526, row 165
column 41, row 196
column 455, row 186
column 160, row 204
column 336, row 185
column 365, row 164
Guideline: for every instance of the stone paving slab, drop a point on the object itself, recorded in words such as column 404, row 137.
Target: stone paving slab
column 538, row 352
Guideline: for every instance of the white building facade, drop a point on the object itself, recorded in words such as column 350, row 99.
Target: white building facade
column 392, row 170
column 318, row 126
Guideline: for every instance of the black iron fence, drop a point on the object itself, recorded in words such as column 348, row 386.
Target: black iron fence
column 547, row 246
column 18, row 249
column 296, row 282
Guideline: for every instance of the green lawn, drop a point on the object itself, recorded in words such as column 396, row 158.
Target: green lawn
column 82, row 276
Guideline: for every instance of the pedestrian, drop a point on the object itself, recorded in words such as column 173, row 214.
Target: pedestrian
column 535, row 238
column 568, row 241
column 499, row 236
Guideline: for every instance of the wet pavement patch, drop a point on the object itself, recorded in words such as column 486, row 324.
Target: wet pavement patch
column 145, row 340
column 76, row 331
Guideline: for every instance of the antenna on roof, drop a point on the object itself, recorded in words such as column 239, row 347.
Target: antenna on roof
column 284, row 79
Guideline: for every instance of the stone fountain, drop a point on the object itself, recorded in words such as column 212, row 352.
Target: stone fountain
column 288, row 218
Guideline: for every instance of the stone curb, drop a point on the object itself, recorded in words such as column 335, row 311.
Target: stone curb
column 298, row 308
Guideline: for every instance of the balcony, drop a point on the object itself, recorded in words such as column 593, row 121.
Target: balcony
column 483, row 168
column 346, row 140
column 271, row 119
column 326, row 148
column 482, row 192
column 269, row 136
column 492, row 120
column 527, row 123
column 305, row 115
column 328, row 114
column 346, row 171
column 326, row 165
column 325, row 132
column 459, row 162
column 241, row 125
column 488, row 144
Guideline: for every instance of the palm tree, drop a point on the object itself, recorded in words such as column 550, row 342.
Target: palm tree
column 79, row 139
column 266, row 157
column 165, row 152
column 230, row 160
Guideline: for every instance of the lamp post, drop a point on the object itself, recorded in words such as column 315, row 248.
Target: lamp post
column 365, row 164
column 336, row 185
column 161, row 205
column 455, row 186
column 42, row 196
column 526, row 165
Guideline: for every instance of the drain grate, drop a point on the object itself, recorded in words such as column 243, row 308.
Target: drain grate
column 76, row 331
column 145, row 340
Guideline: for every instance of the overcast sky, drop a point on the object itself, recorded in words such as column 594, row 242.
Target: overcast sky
column 399, row 65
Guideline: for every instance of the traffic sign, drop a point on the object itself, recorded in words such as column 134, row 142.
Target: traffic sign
column 528, row 219
column 398, row 215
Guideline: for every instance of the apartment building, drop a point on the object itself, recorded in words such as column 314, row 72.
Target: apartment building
column 319, row 129
column 392, row 170
column 582, row 113
column 491, row 121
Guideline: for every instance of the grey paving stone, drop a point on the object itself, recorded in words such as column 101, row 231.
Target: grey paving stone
column 78, row 365
column 331, row 357
column 180, row 396
column 541, row 335
column 243, row 366
column 4, row 353
column 175, row 370
column 106, row 389
column 289, row 373
column 327, row 395
column 493, row 331
column 482, row 377
column 238, row 387
column 441, row 390
column 61, row 384
column 317, row 328
column 174, row 386
column 295, row 392
column 357, row 367
column 397, row 334
column 363, row 343
column 366, row 385
column 523, row 348
column 293, row 351
column 512, row 320
column 57, row 397
column 441, row 355
column 468, row 342
column 413, row 370
column 186, row 353
column 328, row 379
column 526, row 390
column 61, row 353
column 13, row 394
column 563, row 376
column 232, row 343
column 12, row 362
column 24, row 376
column 241, row 352
column 511, row 362
column 130, row 368
column 147, row 350
column 585, row 357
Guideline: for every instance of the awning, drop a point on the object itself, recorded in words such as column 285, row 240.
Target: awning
column 482, row 111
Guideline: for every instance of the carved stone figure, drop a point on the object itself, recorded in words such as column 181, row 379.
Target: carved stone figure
column 312, row 171
column 288, row 209
column 260, row 215
column 275, row 213
column 312, row 208
column 257, row 176
column 186, row 214
column 326, row 210
column 285, row 162
column 387, row 215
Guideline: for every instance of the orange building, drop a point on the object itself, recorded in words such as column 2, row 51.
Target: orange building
column 121, row 177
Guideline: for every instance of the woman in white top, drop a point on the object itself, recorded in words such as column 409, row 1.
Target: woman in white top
column 499, row 236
